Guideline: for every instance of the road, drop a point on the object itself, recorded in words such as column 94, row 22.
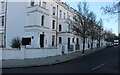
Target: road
column 102, row 61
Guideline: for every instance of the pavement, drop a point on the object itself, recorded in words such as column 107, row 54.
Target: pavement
column 46, row 61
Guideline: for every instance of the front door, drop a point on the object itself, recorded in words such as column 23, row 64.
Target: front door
column 41, row 40
column 68, row 43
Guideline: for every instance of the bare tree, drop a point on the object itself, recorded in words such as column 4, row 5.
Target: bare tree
column 92, row 23
column 82, row 24
column 115, row 8
column 110, row 36
column 100, row 30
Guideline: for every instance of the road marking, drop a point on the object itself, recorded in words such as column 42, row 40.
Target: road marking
column 98, row 66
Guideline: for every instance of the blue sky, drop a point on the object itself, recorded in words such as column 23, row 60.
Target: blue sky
column 109, row 21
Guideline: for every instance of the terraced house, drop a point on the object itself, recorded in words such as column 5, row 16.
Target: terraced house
column 50, row 28
column 45, row 24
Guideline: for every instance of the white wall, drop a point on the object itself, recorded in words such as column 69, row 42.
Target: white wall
column 37, row 53
column 30, row 53
column 11, row 54
column 16, row 20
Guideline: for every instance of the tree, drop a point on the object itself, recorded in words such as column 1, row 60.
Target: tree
column 100, row 31
column 112, row 10
column 83, row 16
column 110, row 36
column 16, row 42
column 92, row 23
column 81, row 22
column 115, row 8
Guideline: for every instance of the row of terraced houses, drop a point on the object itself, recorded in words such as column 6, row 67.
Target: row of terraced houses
column 44, row 22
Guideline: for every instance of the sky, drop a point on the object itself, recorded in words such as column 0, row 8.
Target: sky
column 110, row 22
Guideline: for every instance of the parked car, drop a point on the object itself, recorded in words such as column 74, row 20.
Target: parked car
column 110, row 45
column 116, row 43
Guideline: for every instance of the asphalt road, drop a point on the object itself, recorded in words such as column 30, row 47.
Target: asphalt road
column 103, row 61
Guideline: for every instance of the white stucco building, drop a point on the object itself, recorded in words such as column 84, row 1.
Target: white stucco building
column 14, row 21
column 44, row 22
column 50, row 23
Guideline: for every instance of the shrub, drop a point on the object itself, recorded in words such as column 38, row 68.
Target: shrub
column 16, row 42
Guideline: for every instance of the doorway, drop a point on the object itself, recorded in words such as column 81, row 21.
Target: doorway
column 41, row 40
column 68, row 43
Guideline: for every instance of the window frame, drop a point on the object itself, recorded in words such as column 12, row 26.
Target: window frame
column 42, row 20
column 53, row 40
column 60, row 27
column 60, row 13
column 73, row 40
column 60, row 40
column 3, row 20
column 64, row 15
column 54, row 10
column 2, row 6
column 77, row 41
column 53, row 24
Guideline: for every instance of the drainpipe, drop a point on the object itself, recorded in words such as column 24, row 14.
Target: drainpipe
column 56, row 26
column 5, row 25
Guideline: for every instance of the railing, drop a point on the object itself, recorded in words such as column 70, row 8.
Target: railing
column 77, row 47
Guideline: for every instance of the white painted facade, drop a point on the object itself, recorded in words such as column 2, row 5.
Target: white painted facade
column 15, row 21
column 24, row 20
column 34, row 28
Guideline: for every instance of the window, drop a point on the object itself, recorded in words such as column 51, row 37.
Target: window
column 39, row 2
column 60, row 13
column 2, row 20
column 42, row 20
column 32, row 3
column 44, row 5
column 53, row 24
column 68, row 15
column 53, row 40
column 1, row 40
column 3, row 6
column 26, row 41
column 64, row 15
column 60, row 39
column 54, row 9
column 77, row 41
column 60, row 27
column 73, row 40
